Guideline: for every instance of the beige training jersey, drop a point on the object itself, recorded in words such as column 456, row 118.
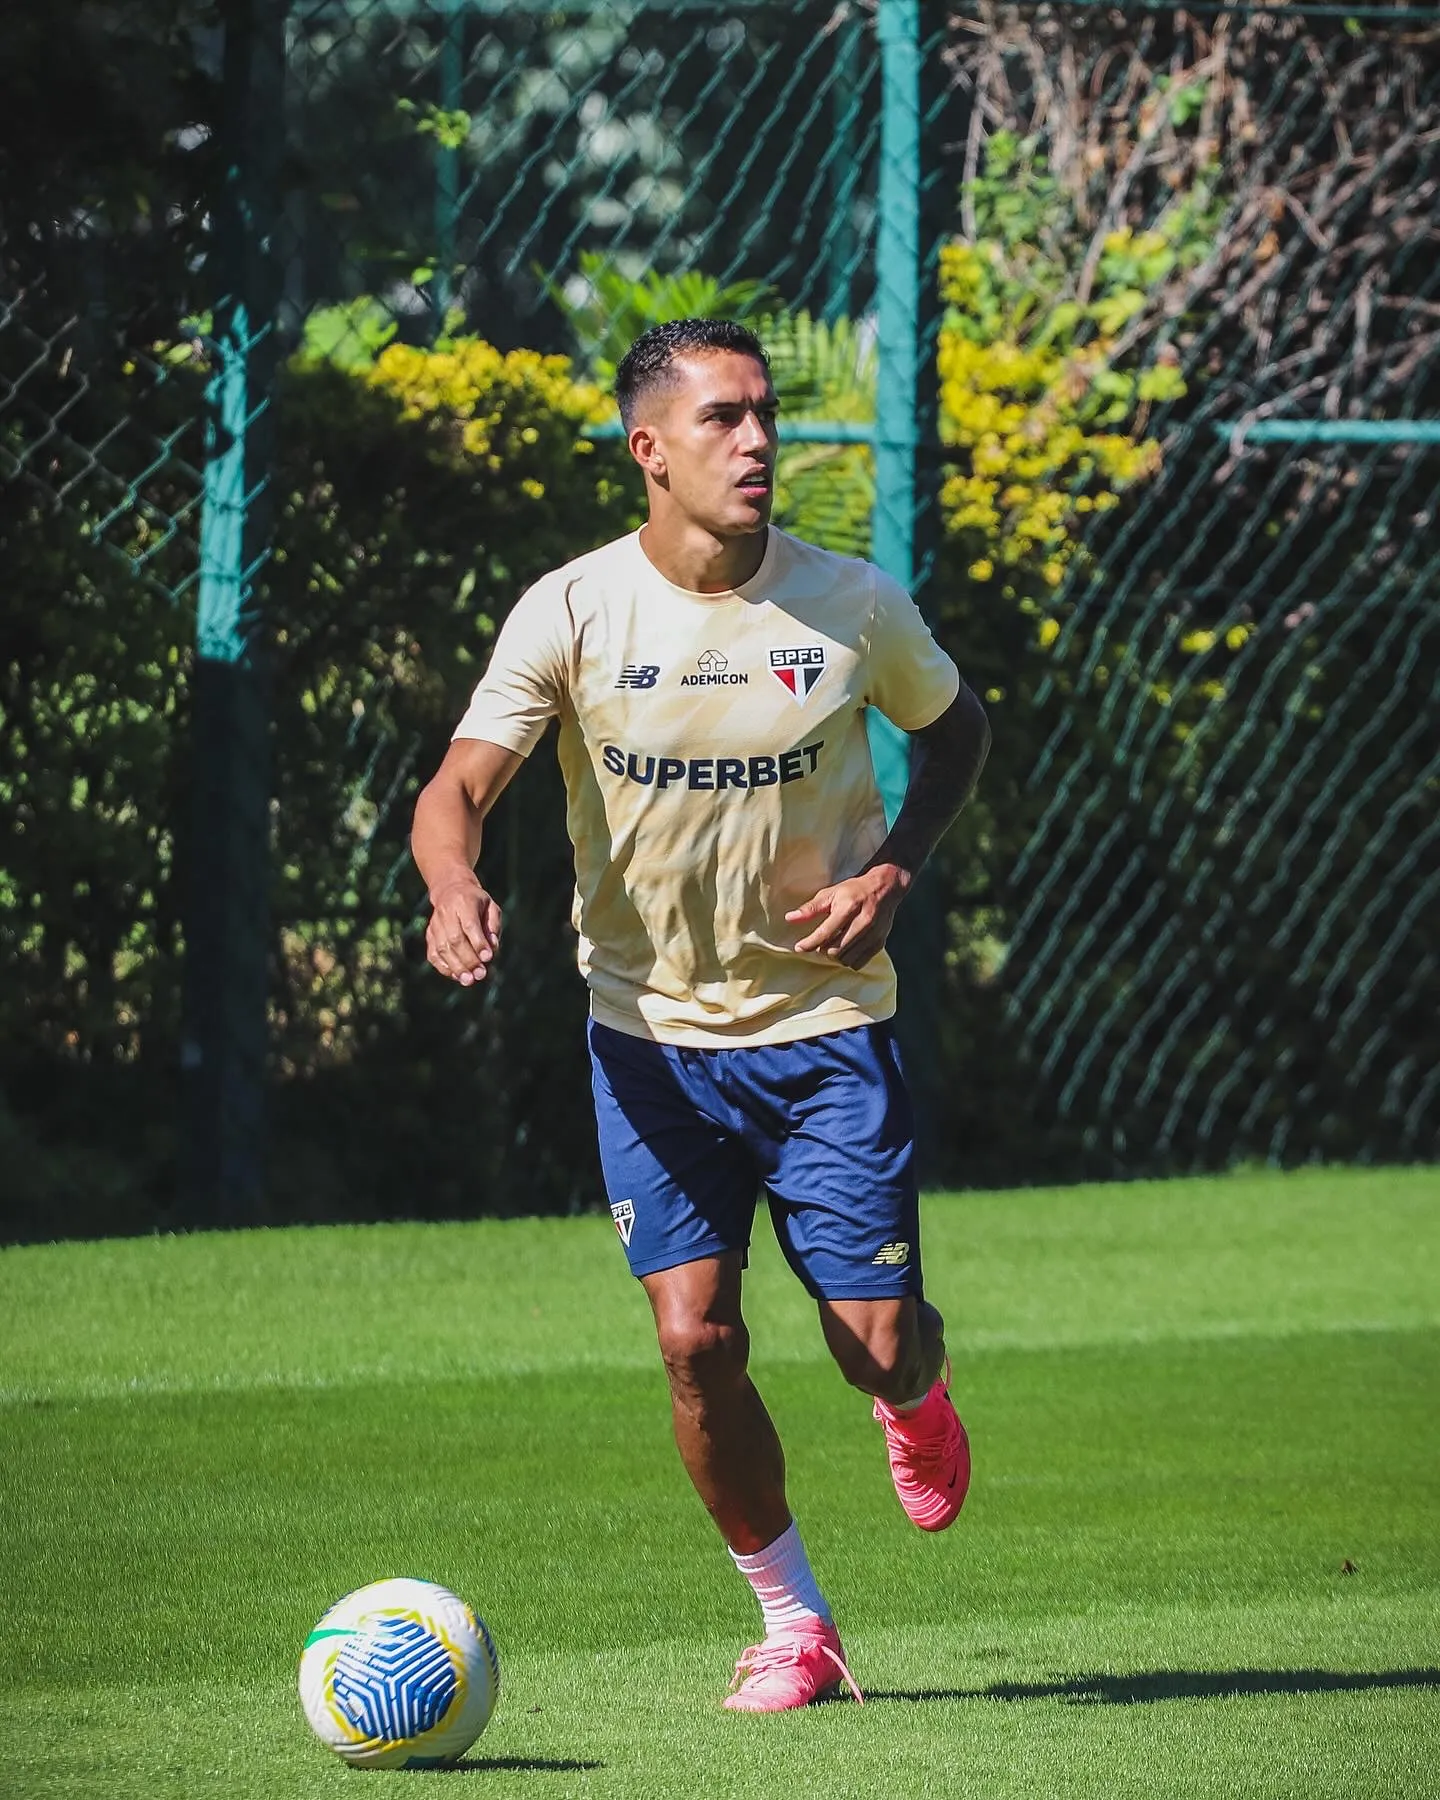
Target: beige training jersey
column 718, row 773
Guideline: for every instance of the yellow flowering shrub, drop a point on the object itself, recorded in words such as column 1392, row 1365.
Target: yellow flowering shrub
column 1033, row 414
column 1050, row 361
column 489, row 405
column 420, row 491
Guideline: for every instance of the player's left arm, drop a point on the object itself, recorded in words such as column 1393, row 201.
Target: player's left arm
column 852, row 918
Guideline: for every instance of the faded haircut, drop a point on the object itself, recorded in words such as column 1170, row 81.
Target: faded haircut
column 647, row 364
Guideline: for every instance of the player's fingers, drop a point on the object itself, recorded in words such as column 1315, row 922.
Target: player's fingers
column 491, row 919
column 827, row 936
column 478, row 938
column 452, row 957
column 867, row 935
column 862, row 925
column 818, row 939
column 812, row 909
column 466, row 977
column 462, row 944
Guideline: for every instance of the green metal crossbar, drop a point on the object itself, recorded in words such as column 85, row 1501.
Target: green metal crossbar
column 792, row 431
column 544, row 9
column 1331, row 431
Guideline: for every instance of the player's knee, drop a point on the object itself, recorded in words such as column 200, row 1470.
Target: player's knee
column 700, row 1354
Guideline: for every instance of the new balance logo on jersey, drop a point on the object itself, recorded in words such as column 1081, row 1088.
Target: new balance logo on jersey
column 639, row 675
column 892, row 1256
column 798, row 670
column 623, row 1213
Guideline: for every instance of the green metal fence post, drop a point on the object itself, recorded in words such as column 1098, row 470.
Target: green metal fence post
column 905, row 409
column 846, row 98
column 227, row 930
column 447, row 161
column 905, row 430
column 898, row 271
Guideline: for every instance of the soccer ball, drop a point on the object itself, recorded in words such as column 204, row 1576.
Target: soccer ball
column 399, row 1675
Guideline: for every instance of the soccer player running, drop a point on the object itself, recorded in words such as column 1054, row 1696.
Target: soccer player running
column 735, row 885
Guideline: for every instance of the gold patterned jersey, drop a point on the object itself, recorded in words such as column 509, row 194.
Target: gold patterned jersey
column 718, row 774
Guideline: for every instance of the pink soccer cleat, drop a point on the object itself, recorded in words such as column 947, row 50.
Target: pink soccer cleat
column 929, row 1457
column 791, row 1668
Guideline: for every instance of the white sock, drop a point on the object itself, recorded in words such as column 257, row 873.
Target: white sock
column 784, row 1582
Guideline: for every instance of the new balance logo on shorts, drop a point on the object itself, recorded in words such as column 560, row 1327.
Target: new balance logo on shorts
column 891, row 1256
column 623, row 1213
column 639, row 675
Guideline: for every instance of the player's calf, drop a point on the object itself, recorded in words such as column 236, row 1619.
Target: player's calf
column 892, row 1348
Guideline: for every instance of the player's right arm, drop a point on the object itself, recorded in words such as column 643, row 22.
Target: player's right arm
column 522, row 689
column 464, row 930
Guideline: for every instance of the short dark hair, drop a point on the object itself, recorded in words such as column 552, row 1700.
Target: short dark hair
column 647, row 363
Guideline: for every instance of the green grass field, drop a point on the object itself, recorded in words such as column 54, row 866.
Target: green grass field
column 1201, row 1554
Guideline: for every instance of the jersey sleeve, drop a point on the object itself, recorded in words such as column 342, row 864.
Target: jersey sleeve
column 910, row 678
column 525, row 684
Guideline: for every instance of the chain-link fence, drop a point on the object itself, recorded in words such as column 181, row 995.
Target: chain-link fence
column 1114, row 332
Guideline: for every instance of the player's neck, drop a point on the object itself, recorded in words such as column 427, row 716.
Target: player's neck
column 693, row 558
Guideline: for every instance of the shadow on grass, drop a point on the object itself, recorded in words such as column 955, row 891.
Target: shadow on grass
column 525, row 1765
column 1178, row 1684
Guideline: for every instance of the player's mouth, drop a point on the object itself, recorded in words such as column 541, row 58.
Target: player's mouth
column 755, row 483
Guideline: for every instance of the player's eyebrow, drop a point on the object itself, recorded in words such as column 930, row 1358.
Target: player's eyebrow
column 770, row 403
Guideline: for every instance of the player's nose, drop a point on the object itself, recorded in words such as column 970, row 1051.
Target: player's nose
column 754, row 434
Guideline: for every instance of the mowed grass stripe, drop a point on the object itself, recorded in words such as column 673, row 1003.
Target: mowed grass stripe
column 1265, row 1254
column 1159, row 1474
column 646, row 1727
column 1145, row 1595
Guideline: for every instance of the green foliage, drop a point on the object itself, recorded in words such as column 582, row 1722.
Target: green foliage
column 824, row 492
column 450, row 129
column 93, row 665
column 93, row 780
column 349, row 335
column 424, row 494
column 1056, row 352
column 606, row 308
column 418, row 494
column 104, row 156
column 1046, row 381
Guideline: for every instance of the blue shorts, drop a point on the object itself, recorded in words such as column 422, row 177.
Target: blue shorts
column 689, row 1137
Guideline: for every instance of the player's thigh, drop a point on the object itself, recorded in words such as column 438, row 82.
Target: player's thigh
column 843, row 1191
column 681, row 1186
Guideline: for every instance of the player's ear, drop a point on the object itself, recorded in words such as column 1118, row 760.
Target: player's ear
column 647, row 452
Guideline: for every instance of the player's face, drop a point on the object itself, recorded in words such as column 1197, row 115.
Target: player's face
column 717, row 438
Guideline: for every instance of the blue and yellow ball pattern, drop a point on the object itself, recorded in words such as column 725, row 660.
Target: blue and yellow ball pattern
column 400, row 1674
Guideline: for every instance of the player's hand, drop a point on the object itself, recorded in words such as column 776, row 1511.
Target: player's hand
column 464, row 931
column 854, row 916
